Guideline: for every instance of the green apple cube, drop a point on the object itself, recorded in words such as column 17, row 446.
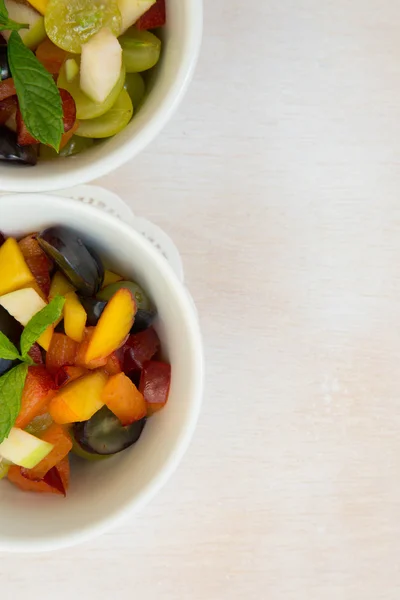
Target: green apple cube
column 22, row 304
column 23, row 449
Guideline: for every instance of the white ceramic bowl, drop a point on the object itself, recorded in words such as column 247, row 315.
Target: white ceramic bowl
column 182, row 40
column 104, row 492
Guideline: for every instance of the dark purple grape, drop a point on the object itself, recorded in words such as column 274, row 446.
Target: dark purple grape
column 73, row 258
column 103, row 434
column 99, row 263
column 11, row 151
column 5, row 72
column 2, row 239
column 93, row 309
column 143, row 320
column 13, row 330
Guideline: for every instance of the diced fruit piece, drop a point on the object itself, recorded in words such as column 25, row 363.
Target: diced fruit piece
column 51, row 56
column 140, row 50
column 37, row 261
column 58, row 477
column 101, row 64
column 22, row 304
column 4, row 466
column 111, row 123
column 138, row 349
column 135, row 86
column 74, row 317
column 155, row 381
column 23, row 13
column 124, row 399
column 56, row 481
column 66, row 137
column 62, row 444
column 146, row 312
column 40, row 5
column 113, row 326
column 15, row 273
column 71, row 23
column 109, row 278
column 7, row 89
column 85, row 107
column 94, row 309
column 73, row 258
column 132, row 10
column 26, row 485
column 67, row 374
column 39, row 424
column 35, row 354
column 79, row 400
column 13, row 330
column 38, row 390
column 62, row 352
column 154, row 18
column 8, row 107
column 60, row 286
column 71, row 69
column 103, row 434
column 46, row 337
column 10, row 150
column 23, row 449
column 82, row 350
column 113, row 365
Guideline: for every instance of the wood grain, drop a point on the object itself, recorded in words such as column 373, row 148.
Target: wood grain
column 279, row 180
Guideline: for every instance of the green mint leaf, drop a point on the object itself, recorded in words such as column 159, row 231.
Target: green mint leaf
column 11, row 388
column 7, row 349
column 38, row 95
column 40, row 322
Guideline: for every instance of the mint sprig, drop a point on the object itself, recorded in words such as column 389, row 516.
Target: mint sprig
column 12, row 383
column 11, row 389
column 7, row 24
column 38, row 96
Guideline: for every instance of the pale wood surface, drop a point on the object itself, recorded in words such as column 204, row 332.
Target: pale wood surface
column 279, row 180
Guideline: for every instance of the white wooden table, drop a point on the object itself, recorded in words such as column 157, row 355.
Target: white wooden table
column 279, row 180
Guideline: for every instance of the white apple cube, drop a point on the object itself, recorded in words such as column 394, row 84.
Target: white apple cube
column 101, row 64
column 23, row 449
column 22, row 304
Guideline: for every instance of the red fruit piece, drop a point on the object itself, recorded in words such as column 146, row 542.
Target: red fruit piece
column 67, row 374
column 35, row 354
column 38, row 262
column 62, row 352
column 38, row 391
column 138, row 349
column 155, row 382
column 45, row 486
column 51, row 56
column 8, row 107
column 154, row 17
column 69, row 119
column 7, row 88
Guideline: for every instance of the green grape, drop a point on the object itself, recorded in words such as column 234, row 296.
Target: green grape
column 140, row 50
column 135, row 87
column 112, row 122
column 70, row 23
column 85, row 107
column 79, row 451
column 39, row 424
column 76, row 145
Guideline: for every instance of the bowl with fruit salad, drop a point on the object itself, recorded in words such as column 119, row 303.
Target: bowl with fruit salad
column 86, row 84
column 100, row 371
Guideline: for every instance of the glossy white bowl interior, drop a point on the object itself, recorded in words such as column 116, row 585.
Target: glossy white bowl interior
column 104, row 492
column 182, row 40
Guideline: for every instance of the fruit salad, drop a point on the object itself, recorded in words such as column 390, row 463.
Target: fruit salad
column 72, row 72
column 81, row 368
